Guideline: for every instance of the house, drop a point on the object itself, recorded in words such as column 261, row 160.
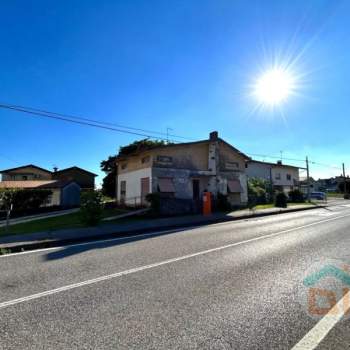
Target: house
column 64, row 193
column 183, row 171
column 283, row 177
column 85, row 179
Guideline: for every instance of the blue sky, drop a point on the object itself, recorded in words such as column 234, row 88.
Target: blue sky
column 187, row 65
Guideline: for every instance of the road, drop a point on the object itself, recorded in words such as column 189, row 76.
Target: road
column 223, row 286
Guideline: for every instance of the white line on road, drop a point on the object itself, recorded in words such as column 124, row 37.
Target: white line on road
column 313, row 338
column 150, row 266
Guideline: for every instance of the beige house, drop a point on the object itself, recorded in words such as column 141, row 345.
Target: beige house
column 283, row 177
column 183, row 171
column 65, row 193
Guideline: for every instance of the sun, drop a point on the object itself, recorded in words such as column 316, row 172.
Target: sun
column 274, row 87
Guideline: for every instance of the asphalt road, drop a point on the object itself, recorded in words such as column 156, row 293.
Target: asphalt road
column 224, row 286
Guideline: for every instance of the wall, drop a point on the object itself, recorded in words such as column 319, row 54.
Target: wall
column 133, row 184
column 283, row 171
column 31, row 173
column 259, row 170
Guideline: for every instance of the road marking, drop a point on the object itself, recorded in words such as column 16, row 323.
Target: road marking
column 151, row 266
column 314, row 337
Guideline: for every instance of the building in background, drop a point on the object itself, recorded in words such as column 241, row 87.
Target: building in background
column 64, row 193
column 184, row 171
column 282, row 177
column 85, row 179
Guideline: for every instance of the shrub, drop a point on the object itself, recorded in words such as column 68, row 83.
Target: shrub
column 296, row 196
column 222, row 203
column 23, row 200
column 281, row 200
column 91, row 208
column 347, row 196
column 257, row 193
column 154, row 200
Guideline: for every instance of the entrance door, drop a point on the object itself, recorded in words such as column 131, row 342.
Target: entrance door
column 144, row 189
column 195, row 189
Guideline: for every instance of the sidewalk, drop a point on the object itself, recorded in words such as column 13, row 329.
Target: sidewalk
column 44, row 239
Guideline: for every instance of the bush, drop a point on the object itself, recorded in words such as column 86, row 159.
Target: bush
column 22, row 200
column 222, row 203
column 257, row 193
column 281, row 200
column 91, row 208
column 154, row 200
column 296, row 196
column 347, row 196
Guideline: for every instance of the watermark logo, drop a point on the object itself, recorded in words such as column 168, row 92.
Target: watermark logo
column 325, row 289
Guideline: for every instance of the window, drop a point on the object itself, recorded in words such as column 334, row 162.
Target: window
column 165, row 184
column 124, row 166
column 24, row 177
column 231, row 165
column 278, row 176
column 289, row 177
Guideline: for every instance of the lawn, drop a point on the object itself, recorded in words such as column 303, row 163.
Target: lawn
column 54, row 223
column 271, row 205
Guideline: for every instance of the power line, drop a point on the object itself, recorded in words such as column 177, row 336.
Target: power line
column 87, row 122
column 116, row 127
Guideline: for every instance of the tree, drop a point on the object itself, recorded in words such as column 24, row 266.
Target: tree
column 109, row 181
column 109, row 166
column 91, row 208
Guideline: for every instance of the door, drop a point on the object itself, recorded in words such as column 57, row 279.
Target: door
column 144, row 189
column 195, row 189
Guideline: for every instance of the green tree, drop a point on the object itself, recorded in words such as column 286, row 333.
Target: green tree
column 257, row 191
column 109, row 181
column 91, row 208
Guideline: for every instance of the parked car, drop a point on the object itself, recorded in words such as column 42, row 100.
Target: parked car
column 318, row 195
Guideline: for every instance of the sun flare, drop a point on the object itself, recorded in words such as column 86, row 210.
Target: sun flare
column 274, row 87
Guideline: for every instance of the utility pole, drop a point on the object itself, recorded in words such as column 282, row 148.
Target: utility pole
column 167, row 134
column 344, row 179
column 308, row 178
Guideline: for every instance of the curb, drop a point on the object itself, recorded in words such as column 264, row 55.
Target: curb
column 22, row 246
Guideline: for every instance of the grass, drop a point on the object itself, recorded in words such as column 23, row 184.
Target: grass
column 52, row 224
column 272, row 205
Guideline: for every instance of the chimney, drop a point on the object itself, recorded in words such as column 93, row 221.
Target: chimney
column 55, row 169
column 213, row 136
column 279, row 162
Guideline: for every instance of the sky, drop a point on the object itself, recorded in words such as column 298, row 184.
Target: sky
column 188, row 65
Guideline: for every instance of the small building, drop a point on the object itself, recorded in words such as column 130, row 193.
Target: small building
column 283, row 177
column 85, row 179
column 64, row 193
column 183, row 171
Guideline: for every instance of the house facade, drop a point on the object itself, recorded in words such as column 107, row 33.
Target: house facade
column 282, row 177
column 85, row 179
column 63, row 193
column 183, row 171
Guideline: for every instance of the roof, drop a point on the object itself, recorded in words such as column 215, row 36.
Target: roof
column 75, row 168
column 25, row 166
column 183, row 144
column 39, row 184
column 273, row 164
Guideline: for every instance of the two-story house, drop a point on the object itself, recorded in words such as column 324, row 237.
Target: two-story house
column 283, row 177
column 184, row 171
